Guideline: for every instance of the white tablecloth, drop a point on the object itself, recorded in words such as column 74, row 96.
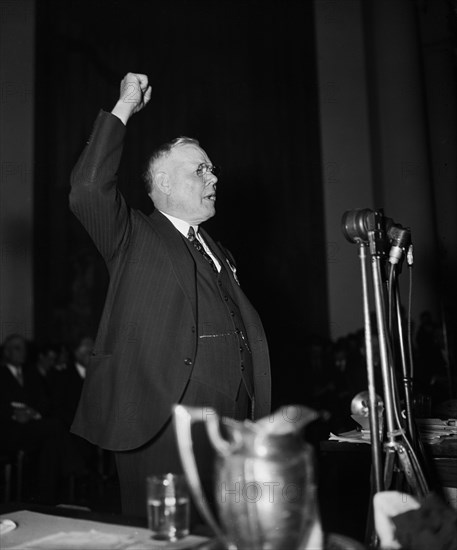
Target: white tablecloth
column 47, row 532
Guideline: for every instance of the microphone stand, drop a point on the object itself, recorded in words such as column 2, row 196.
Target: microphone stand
column 397, row 444
column 407, row 379
column 373, row 398
column 367, row 227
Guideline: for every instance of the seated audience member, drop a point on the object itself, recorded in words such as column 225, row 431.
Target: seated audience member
column 63, row 357
column 43, row 357
column 66, row 385
column 346, row 377
column 431, row 373
column 67, row 381
column 46, row 359
column 25, row 416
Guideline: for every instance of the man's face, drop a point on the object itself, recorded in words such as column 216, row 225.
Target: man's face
column 192, row 196
column 84, row 351
column 15, row 351
column 48, row 359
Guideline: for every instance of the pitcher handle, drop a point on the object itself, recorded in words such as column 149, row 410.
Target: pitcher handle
column 183, row 417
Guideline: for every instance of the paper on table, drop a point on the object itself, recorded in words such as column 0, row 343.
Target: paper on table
column 449, row 425
column 7, row 525
column 432, row 430
column 353, row 436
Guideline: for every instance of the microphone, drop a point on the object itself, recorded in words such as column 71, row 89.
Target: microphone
column 400, row 241
column 364, row 226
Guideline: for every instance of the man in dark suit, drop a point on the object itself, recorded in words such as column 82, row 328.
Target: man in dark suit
column 65, row 385
column 66, row 382
column 25, row 417
column 176, row 326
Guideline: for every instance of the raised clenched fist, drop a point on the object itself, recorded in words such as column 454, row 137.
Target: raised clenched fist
column 135, row 93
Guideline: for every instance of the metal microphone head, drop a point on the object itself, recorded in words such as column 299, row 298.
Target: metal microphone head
column 400, row 240
column 355, row 226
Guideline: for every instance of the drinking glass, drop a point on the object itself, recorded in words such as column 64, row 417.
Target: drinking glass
column 168, row 506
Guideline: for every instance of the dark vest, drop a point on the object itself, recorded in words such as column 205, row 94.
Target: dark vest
column 223, row 354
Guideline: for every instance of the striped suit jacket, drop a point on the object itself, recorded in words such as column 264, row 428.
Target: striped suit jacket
column 147, row 338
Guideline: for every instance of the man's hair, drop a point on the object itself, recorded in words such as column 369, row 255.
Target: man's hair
column 159, row 153
column 13, row 336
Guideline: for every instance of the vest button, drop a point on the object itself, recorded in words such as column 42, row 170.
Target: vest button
column 188, row 361
column 242, row 367
column 193, row 329
column 241, row 349
column 232, row 313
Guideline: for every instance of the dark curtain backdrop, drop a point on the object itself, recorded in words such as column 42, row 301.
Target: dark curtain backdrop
column 238, row 75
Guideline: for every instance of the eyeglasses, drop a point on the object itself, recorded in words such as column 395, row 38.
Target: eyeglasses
column 204, row 169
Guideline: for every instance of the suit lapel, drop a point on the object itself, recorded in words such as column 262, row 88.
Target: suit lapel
column 252, row 321
column 244, row 304
column 183, row 264
column 220, row 254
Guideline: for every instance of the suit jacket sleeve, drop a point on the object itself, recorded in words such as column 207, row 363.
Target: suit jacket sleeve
column 94, row 197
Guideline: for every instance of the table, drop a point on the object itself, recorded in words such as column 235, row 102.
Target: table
column 442, row 457
column 348, row 467
column 55, row 532
column 34, row 529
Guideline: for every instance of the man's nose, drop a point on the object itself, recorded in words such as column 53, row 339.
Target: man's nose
column 210, row 179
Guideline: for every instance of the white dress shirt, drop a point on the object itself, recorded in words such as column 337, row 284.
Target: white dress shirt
column 183, row 228
column 16, row 372
column 80, row 369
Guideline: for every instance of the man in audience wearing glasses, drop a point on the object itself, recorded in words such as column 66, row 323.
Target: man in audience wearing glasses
column 176, row 326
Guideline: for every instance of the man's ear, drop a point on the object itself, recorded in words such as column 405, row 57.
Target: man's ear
column 162, row 182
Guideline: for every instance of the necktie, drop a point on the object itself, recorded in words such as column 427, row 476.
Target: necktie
column 198, row 245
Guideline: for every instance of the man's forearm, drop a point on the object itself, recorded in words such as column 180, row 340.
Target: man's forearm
column 94, row 198
column 99, row 161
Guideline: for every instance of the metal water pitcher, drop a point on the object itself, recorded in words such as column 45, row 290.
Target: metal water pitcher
column 265, row 491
